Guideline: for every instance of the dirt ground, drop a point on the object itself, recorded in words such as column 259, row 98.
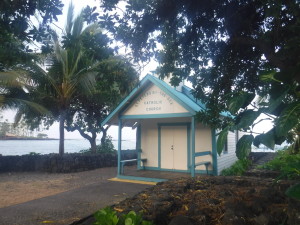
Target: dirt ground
column 217, row 200
column 19, row 187
column 211, row 200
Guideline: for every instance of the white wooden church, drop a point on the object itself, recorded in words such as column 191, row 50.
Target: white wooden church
column 168, row 136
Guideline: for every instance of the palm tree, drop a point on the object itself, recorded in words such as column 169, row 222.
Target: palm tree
column 69, row 74
column 14, row 87
column 68, row 85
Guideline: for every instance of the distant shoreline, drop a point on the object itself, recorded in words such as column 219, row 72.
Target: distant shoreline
column 27, row 139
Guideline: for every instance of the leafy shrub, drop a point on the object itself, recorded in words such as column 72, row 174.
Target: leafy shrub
column 107, row 216
column 106, row 147
column 286, row 163
column 237, row 169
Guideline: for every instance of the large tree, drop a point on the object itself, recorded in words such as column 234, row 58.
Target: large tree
column 82, row 82
column 69, row 74
column 231, row 51
column 18, row 35
column 115, row 78
column 18, row 29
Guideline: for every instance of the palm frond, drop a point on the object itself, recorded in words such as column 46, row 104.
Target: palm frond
column 77, row 26
column 86, row 81
column 13, row 103
column 70, row 16
column 18, row 116
column 12, row 78
column 75, row 64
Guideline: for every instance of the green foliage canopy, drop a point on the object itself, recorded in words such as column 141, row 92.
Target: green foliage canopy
column 18, row 31
column 83, row 81
column 231, row 51
column 17, row 28
column 69, row 74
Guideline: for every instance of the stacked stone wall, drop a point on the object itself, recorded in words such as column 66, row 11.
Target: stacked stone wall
column 54, row 163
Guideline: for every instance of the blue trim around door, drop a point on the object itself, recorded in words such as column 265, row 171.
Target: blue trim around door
column 214, row 152
column 210, row 172
column 119, row 145
column 139, row 145
column 193, row 147
column 159, row 148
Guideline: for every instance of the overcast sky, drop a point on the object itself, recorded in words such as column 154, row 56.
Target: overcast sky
column 127, row 134
column 53, row 131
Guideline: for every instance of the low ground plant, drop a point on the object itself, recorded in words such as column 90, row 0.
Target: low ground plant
column 108, row 216
column 288, row 164
column 238, row 168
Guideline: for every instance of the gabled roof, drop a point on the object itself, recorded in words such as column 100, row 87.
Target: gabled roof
column 184, row 98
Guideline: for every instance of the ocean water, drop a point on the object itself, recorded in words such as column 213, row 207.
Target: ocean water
column 22, row 147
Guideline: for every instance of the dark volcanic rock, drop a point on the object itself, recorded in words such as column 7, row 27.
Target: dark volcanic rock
column 180, row 220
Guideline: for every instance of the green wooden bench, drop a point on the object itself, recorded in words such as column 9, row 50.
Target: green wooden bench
column 124, row 162
column 205, row 163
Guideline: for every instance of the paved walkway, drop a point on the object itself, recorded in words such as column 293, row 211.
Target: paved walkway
column 69, row 206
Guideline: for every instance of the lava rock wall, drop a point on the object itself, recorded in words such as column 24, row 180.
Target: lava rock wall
column 54, row 163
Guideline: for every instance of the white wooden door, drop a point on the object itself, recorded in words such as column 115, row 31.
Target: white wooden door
column 174, row 147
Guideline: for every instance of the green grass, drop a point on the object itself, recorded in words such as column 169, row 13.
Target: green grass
column 238, row 168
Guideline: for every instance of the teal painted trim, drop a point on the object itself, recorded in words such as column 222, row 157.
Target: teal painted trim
column 139, row 88
column 159, row 146
column 171, row 94
column 188, row 92
column 119, row 145
column 157, row 180
column 166, row 170
column 193, row 147
column 174, row 124
column 214, row 152
column 197, row 154
column 156, row 116
column 210, row 172
column 146, row 85
column 188, row 145
column 125, row 101
column 152, row 168
column 180, row 98
column 139, row 145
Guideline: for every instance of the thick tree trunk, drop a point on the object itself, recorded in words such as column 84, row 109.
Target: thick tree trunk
column 104, row 134
column 93, row 144
column 91, row 139
column 103, row 138
column 62, row 133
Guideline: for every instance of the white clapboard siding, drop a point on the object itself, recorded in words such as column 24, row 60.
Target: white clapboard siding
column 225, row 160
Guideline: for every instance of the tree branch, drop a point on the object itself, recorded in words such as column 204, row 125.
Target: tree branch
column 82, row 133
column 264, row 47
column 267, row 114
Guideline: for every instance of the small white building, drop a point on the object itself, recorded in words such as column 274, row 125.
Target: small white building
column 168, row 136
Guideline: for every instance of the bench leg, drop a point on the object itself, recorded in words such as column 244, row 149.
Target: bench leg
column 206, row 167
column 140, row 165
column 122, row 168
column 143, row 167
